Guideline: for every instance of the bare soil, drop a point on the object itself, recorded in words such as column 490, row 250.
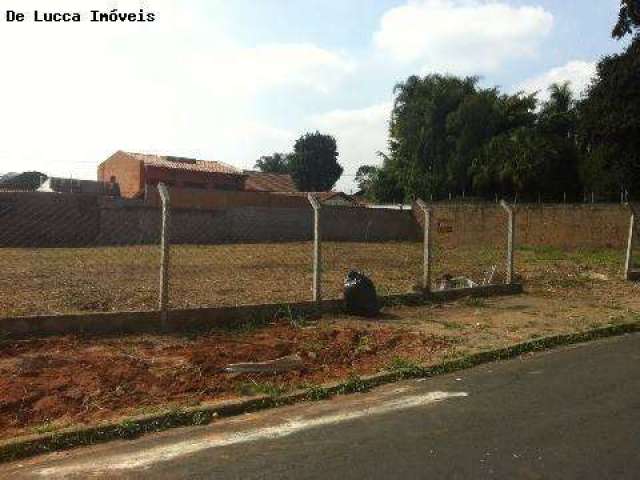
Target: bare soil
column 50, row 383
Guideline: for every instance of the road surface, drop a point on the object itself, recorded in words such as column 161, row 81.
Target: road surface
column 567, row 413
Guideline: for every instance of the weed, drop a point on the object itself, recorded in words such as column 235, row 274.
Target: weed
column 296, row 320
column 476, row 302
column 354, row 385
column 201, row 418
column 400, row 364
column 253, row 388
column 45, row 428
column 363, row 345
column 316, row 392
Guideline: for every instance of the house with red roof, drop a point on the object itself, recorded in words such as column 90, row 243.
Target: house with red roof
column 135, row 172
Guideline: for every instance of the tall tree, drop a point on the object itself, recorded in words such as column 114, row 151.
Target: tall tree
column 419, row 146
column 628, row 18
column 314, row 163
column 608, row 130
column 276, row 163
column 365, row 177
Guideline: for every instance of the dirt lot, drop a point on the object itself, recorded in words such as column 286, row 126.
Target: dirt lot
column 51, row 383
column 59, row 280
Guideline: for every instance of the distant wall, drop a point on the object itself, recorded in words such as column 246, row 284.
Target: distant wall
column 193, row 198
column 32, row 219
column 69, row 220
column 558, row 225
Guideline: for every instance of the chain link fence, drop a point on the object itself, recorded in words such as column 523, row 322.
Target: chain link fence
column 385, row 245
column 632, row 265
column 80, row 253
column 65, row 254
column 467, row 250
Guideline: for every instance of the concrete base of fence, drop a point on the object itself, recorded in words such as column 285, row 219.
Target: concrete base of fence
column 202, row 319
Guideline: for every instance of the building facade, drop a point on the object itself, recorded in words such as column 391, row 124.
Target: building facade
column 135, row 173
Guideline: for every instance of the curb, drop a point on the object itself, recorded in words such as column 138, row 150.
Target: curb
column 134, row 427
column 203, row 319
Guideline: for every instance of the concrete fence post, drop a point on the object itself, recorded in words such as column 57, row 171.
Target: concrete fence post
column 317, row 249
column 628, row 264
column 165, row 243
column 511, row 232
column 426, row 262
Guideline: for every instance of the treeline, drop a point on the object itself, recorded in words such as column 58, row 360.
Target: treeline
column 448, row 136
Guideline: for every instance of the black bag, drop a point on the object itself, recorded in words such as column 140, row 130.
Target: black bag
column 360, row 296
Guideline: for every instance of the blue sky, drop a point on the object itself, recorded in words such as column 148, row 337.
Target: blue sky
column 233, row 80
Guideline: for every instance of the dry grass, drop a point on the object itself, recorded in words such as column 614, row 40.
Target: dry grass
column 49, row 281
column 60, row 280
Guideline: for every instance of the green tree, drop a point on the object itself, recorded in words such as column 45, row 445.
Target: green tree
column 314, row 163
column 628, row 18
column 26, row 180
column 276, row 163
column 419, row 146
column 608, row 119
column 557, row 124
column 386, row 186
column 365, row 177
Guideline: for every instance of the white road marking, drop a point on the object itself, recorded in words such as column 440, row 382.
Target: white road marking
column 151, row 456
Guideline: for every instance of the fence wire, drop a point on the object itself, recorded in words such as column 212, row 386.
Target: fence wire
column 470, row 249
column 80, row 253
column 384, row 245
column 64, row 254
column 635, row 242
column 236, row 256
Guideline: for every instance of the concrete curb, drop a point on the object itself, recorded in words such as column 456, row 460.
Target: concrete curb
column 202, row 319
column 133, row 427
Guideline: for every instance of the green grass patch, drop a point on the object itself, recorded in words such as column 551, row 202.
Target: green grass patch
column 253, row 388
column 405, row 365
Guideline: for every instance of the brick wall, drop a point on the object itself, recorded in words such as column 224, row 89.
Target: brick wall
column 558, row 225
column 30, row 219
column 190, row 198
column 51, row 220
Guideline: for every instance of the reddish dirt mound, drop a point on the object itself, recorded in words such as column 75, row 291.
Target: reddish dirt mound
column 73, row 379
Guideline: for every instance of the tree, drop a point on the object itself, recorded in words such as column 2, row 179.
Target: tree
column 418, row 142
column 314, row 163
column 608, row 119
column 24, row 181
column 628, row 18
column 276, row 163
column 365, row 177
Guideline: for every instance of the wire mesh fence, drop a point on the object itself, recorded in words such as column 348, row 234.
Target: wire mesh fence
column 59, row 255
column 81, row 253
column 239, row 274
column 469, row 250
column 385, row 246
column 634, row 242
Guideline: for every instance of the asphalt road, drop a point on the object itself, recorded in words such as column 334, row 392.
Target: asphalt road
column 569, row 413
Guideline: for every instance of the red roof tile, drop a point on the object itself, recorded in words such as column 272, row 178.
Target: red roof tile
column 189, row 164
column 269, row 182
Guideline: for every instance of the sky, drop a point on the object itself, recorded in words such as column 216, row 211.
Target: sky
column 232, row 80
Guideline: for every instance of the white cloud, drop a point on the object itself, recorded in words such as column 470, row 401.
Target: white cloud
column 249, row 71
column 578, row 72
column 461, row 36
column 74, row 93
column 360, row 134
